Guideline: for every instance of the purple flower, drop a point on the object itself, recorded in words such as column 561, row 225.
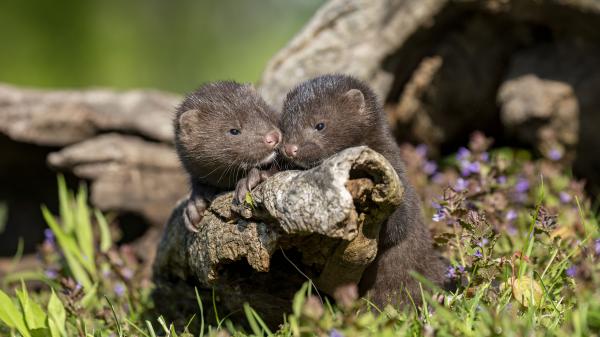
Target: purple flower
column 461, row 268
column 462, row 154
column 335, row 333
column 467, row 167
column 421, row 150
column 597, row 247
column 478, row 253
column 430, row 167
column 511, row 215
column 49, row 236
column 565, row 197
column 555, row 154
column 511, row 230
column 522, row 185
column 483, row 242
column 438, row 216
column 501, row 180
column 78, row 286
column 485, row 157
column 571, row 271
column 51, row 274
column 451, row 272
column 119, row 289
column 127, row 273
column 460, row 185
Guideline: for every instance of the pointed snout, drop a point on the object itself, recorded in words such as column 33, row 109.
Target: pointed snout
column 272, row 138
column 291, row 150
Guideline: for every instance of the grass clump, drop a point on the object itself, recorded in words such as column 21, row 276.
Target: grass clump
column 520, row 234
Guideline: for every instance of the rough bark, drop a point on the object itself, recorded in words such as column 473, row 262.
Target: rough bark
column 326, row 219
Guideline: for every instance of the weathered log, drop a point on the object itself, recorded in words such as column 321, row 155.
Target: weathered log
column 121, row 142
column 327, row 218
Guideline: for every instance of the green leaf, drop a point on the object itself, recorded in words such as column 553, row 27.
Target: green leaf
column 35, row 317
column 70, row 250
column 83, row 230
column 56, row 316
column 105, row 237
column 249, row 200
column 66, row 214
column 11, row 316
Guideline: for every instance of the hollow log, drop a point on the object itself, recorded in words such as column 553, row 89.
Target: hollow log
column 321, row 224
column 522, row 71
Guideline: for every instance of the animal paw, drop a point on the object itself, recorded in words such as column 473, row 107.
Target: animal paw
column 194, row 212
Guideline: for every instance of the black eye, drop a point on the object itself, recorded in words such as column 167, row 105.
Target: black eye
column 235, row 132
column 320, row 126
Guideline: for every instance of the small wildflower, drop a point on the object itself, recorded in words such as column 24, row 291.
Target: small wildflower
column 555, row 154
column 438, row 216
column 430, row 167
column 421, row 150
column 485, row 157
column 501, row 180
column 451, row 272
column 461, row 268
column 511, row 215
column 78, row 286
column 51, row 274
column 483, row 242
column 127, row 273
column 467, row 168
column 49, row 236
column 119, row 289
column 461, row 185
column 597, row 247
column 478, row 253
column 565, row 197
column 462, row 154
column 335, row 333
column 571, row 271
column 511, row 230
column 522, row 185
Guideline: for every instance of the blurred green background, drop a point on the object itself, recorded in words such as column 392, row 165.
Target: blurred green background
column 172, row 45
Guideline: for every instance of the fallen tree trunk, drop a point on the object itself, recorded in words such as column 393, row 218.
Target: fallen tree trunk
column 320, row 224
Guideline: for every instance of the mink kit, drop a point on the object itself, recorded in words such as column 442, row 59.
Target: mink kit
column 327, row 114
column 224, row 131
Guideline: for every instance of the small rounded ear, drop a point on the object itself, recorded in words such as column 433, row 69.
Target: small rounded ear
column 356, row 98
column 187, row 120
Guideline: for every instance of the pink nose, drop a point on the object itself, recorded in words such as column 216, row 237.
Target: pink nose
column 272, row 138
column 291, row 150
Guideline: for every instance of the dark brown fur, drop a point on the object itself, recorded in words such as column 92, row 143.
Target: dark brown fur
column 351, row 117
column 214, row 157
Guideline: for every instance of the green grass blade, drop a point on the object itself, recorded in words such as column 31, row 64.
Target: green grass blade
column 150, row 329
column 115, row 317
column 201, row 307
column 70, row 250
column 83, row 231
column 65, row 202
column 105, row 237
column 252, row 321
